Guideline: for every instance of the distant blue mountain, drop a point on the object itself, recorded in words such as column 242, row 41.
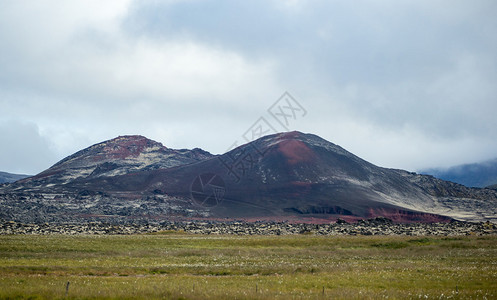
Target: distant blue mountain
column 8, row 177
column 472, row 175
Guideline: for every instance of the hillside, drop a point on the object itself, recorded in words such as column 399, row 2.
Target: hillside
column 286, row 176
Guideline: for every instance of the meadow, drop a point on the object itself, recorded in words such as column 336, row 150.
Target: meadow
column 173, row 265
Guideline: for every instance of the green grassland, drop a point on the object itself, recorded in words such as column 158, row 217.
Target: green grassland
column 186, row 266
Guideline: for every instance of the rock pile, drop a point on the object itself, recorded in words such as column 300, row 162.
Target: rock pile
column 378, row 226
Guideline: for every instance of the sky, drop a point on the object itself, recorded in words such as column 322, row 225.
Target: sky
column 402, row 84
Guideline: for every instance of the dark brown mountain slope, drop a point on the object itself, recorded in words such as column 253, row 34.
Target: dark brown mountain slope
column 291, row 175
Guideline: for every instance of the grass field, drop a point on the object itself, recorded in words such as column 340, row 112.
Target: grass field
column 183, row 266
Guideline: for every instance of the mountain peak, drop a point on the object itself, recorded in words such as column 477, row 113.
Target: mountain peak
column 128, row 145
column 130, row 138
column 117, row 156
column 291, row 135
column 287, row 135
column 296, row 146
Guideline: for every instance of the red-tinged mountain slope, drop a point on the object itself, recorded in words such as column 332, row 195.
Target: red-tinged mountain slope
column 286, row 176
column 298, row 175
column 118, row 156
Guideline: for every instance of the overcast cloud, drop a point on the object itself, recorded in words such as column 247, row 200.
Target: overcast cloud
column 403, row 84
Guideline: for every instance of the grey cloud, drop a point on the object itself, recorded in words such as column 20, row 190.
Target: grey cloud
column 413, row 74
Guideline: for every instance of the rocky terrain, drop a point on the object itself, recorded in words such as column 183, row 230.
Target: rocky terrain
column 90, row 206
column 377, row 226
column 287, row 176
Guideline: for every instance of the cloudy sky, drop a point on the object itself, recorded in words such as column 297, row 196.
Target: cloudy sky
column 403, row 84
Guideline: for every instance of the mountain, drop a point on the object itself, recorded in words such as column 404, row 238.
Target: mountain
column 302, row 175
column 285, row 176
column 119, row 156
column 472, row 175
column 8, row 177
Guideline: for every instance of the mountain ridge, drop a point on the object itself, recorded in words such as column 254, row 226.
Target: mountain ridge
column 288, row 175
column 116, row 156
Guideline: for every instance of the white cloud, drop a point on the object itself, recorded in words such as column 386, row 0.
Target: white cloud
column 83, row 52
column 73, row 71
